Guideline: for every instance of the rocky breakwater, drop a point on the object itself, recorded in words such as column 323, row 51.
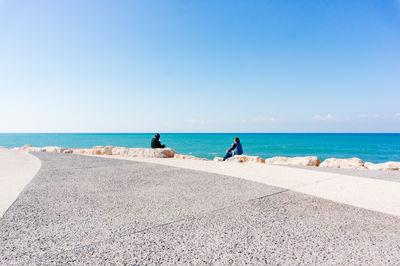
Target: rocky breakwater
column 108, row 150
column 356, row 163
column 297, row 161
column 351, row 163
column 388, row 166
column 241, row 159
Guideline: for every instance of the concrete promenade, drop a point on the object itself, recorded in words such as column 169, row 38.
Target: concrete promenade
column 81, row 209
column 369, row 189
column 16, row 170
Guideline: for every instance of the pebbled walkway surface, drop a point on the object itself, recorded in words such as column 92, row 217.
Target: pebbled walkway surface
column 81, row 209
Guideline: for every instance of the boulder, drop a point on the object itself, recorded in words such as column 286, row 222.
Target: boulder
column 388, row 166
column 102, row 150
column 121, row 151
column 68, row 151
column 81, row 151
column 25, row 147
column 35, row 149
column 151, row 153
column 188, row 157
column 245, row 159
column 352, row 163
column 298, row 161
column 53, row 149
column 218, row 159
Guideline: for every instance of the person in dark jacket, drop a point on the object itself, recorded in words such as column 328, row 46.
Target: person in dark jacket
column 155, row 142
column 236, row 149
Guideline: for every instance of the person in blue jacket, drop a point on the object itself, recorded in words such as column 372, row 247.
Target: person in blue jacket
column 236, row 149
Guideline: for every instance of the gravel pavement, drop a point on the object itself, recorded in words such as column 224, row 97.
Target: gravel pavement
column 91, row 210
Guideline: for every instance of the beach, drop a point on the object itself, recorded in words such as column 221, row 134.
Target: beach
column 112, row 209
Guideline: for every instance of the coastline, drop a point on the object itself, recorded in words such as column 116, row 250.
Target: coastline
column 345, row 163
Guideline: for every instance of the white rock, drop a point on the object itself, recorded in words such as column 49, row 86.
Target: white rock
column 25, row 147
column 245, row 159
column 388, row 166
column 218, row 159
column 81, row 151
column 101, row 150
column 151, row 153
column 34, row 149
column 188, row 157
column 353, row 163
column 53, row 149
column 121, row 151
column 298, row 161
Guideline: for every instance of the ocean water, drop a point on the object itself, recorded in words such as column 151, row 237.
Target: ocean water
column 374, row 148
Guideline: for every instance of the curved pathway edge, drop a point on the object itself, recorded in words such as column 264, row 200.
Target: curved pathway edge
column 17, row 168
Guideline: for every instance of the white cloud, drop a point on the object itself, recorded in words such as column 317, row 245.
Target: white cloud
column 397, row 114
column 200, row 121
column 324, row 117
column 261, row 119
column 370, row 116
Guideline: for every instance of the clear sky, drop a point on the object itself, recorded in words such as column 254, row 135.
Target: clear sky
column 200, row 66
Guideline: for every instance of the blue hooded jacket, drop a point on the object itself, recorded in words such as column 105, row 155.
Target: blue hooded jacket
column 238, row 149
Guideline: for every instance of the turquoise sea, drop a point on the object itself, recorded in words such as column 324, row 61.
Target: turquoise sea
column 369, row 147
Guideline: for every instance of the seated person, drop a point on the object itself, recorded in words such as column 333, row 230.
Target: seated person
column 155, row 142
column 236, row 149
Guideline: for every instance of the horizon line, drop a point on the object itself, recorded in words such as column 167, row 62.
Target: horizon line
column 199, row 132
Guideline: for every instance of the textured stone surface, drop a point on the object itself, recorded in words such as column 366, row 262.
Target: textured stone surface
column 388, row 166
column 353, row 163
column 298, row 161
column 102, row 150
column 122, row 151
column 108, row 150
column 151, row 153
column 245, row 159
column 92, row 210
column 53, row 149
column 81, row 151
column 33, row 149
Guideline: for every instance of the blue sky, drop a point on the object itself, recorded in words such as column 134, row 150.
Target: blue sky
column 200, row 66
